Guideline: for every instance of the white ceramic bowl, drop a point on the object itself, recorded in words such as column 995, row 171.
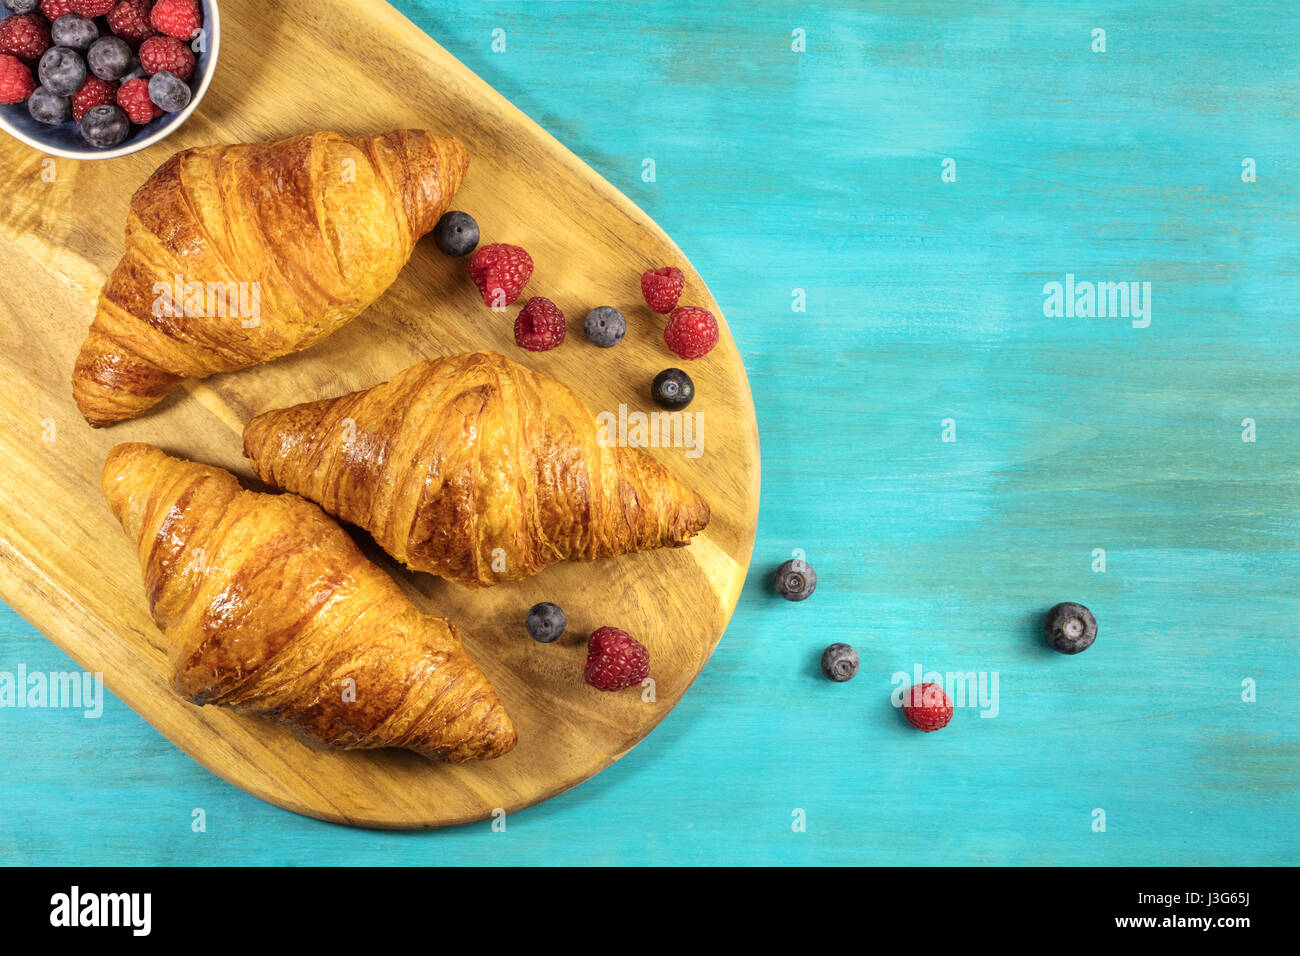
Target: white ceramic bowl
column 65, row 139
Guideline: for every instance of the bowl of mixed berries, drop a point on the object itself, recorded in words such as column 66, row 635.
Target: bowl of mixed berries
column 93, row 79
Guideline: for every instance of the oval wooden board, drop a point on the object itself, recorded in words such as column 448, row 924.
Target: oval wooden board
column 67, row 567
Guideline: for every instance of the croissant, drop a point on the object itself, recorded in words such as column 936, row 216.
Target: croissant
column 476, row 469
column 271, row 609
column 240, row 254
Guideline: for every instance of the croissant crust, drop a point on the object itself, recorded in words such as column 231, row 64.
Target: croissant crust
column 269, row 607
column 237, row 254
column 475, row 468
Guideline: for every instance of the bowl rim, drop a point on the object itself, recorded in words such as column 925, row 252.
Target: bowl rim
column 157, row 136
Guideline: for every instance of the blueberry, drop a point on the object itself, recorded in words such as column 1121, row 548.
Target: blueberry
column 1070, row 628
column 109, row 58
column 456, row 233
column 73, row 31
column 22, row 6
column 46, row 107
column 545, row 622
column 840, row 662
column 605, row 326
column 104, row 126
column 62, row 70
column 169, row 91
column 672, row 389
column 796, row 580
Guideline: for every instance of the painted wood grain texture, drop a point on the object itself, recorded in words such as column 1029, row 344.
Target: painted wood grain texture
column 821, row 171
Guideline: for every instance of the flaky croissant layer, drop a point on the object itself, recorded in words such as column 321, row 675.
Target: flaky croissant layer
column 270, row 608
column 238, row 254
column 474, row 468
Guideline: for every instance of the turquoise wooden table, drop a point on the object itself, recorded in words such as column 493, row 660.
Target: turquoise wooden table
column 881, row 196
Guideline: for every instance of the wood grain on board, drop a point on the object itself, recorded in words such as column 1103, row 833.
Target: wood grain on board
column 67, row 568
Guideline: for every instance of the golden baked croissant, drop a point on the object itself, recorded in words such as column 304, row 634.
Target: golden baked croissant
column 270, row 608
column 240, row 254
column 476, row 469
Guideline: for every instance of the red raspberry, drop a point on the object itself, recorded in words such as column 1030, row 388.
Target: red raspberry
column 53, row 9
column 25, row 36
column 133, row 97
column 91, row 8
column 616, row 660
column 130, row 20
column 662, row 288
column 927, row 707
column 167, row 53
column 540, row 326
column 500, row 271
column 691, row 332
column 176, row 18
column 16, row 83
column 94, row 92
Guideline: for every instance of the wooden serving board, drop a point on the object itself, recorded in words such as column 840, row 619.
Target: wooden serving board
column 66, row 566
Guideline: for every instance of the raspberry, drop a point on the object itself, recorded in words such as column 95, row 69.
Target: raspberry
column 53, row 9
column 540, row 326
column 25, row 36
column 94, row 92
column 691, row 332
column 927, row 707
column 16, row 83
column 616, row 660
column 91, row 8
column 500, row 271
column 176, row 18
column 133, row 97
column 662, row 288
column 130, row 20
column 167, row 53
